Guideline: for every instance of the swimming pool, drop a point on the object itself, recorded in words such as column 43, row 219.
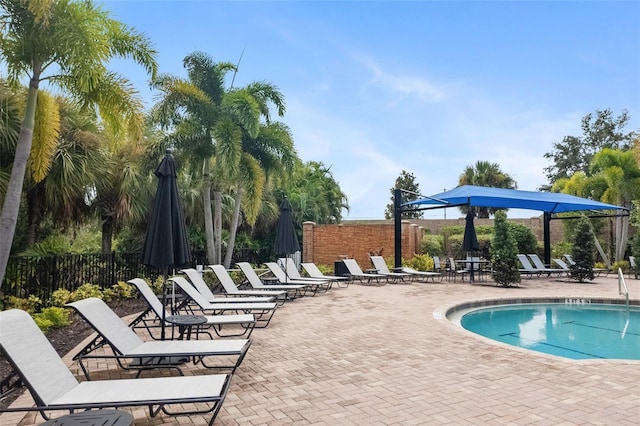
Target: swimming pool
column 582, row 330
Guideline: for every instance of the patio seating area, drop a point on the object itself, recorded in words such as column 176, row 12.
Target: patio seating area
column 382, row 355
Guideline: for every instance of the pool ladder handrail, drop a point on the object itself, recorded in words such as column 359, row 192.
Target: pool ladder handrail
column 622, row 284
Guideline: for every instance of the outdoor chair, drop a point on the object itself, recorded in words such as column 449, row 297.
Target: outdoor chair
column 423, row 275
column 527, row 268
column 455, row 272
column 540, row 266
column 141, row 355
column 315, row 285
column 217, row 323
column 231, row 289
column 295, row 289
column 198, row 282
column 291, row 270
column 263, row 311
column 632, row 267
column 314, row 272
column 597, row 271
column 381, row 265
column 356, row 273
column 53, row 387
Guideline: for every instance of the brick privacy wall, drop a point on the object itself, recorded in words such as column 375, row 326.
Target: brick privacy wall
column 324, row 244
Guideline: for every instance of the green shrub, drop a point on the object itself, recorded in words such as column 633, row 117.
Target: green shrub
column 31, row 304
column 124, row 290
column 583, row 249
column 561, row 248
column 504, row 250
column 620, row 264
column 61, row 297
column 52, row 317
column 87, row 290
column 433, row 244
column 525, row 240
column 421, row 262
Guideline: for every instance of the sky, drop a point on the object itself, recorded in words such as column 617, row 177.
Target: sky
column 429, row 87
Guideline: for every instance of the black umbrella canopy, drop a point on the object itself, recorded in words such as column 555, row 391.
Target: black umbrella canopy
column 286, row 238
column 470, row 241
column 166, row 242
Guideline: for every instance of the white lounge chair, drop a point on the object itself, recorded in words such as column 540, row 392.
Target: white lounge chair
column 291, row 270
column 53, row 387
column 232, row 290
column 527, row 268
column 295, row 288
column 425, row 275
column 133, row 353
column 217, row 323
column 279, row 274
column 381, row 265
column 198, row 282
column 262, row 311
column 356, row 273
column 314, row 272
column 540, row 266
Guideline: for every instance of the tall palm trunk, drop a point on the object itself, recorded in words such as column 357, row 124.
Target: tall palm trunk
column 208, row 221
column 35, row 212
column 108, row 224
column 217, row 226
column 11, row 206
column 234, row 226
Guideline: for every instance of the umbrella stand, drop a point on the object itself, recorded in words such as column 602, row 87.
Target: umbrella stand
column 164, row 302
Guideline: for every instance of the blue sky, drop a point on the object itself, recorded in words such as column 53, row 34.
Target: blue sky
column 430, row 87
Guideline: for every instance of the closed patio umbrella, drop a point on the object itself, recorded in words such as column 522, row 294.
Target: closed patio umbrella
column 166, row 244
column 286, row 238
column 470, row 240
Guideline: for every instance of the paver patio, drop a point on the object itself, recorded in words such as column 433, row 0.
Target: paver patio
column 379, row 356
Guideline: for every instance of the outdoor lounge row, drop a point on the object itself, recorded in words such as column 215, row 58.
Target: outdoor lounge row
column 233, row 316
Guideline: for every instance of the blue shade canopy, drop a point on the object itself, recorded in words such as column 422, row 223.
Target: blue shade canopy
column 481, row 196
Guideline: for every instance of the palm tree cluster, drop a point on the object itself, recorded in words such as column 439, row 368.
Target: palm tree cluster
column 86, row 154
column 485, row 173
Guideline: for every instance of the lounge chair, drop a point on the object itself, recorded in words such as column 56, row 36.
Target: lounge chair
column 291, row 270
column 596, row 271
column 356, row 273
column 217, row 323
column 527, row 268
column 540, row 266
column 295, row 289
column 279, row 274
column 262, row 311
column 424, row 275
column 632, row 266
column 314, row 272
column 141, row 355
column 198, row 282
column 381, row 265
column 53, row 387
column 232, row 290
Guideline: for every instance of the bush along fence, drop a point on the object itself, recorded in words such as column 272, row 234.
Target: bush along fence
column 40, row 276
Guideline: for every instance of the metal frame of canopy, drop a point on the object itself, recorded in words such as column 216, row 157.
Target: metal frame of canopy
column 477, row 196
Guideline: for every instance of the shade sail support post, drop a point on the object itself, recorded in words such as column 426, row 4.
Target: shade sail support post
column 547, row 237
column 397, row 223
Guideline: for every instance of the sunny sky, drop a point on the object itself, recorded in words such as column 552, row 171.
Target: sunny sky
column 376, row 87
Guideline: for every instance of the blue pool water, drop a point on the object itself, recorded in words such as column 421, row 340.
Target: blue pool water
column 577, row 332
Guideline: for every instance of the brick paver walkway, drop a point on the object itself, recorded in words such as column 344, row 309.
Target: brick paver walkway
column 379, row 356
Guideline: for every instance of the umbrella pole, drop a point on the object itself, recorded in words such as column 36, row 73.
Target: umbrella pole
column 164, row 302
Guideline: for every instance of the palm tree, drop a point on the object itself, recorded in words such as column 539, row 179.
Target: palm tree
column 210, row 124
column 616, row 180
column 75, row 40
column 270, row 155
column 485, row 173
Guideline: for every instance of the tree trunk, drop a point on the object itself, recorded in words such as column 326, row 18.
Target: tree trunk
column 11, row 206
column 234, row 227
column 107, row 234
column 208, row 216
column 217, row 226
column 35, row 201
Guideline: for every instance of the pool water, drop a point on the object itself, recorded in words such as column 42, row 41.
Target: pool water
column 577, row 332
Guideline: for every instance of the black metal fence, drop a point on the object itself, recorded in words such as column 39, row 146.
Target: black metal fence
column 42, row 275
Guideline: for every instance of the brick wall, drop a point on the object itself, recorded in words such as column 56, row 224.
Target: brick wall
column 324, row 244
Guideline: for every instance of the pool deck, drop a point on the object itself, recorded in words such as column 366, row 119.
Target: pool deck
column 368, row 355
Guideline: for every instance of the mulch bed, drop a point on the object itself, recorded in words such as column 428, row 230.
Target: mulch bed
column 66, row 338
